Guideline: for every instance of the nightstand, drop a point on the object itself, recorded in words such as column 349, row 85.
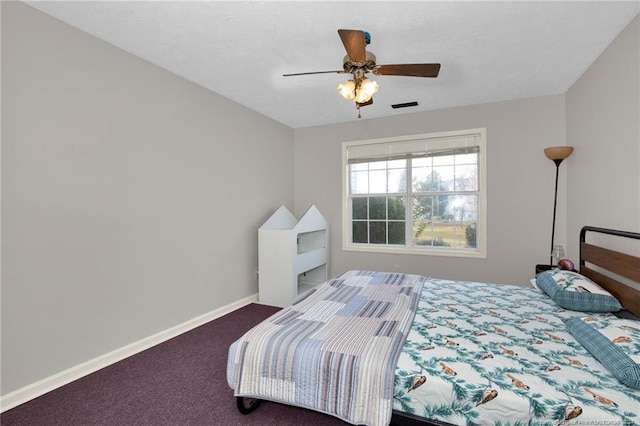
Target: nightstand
column 542, row 268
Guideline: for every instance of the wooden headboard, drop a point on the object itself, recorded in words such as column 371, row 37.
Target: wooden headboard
column 618, row 263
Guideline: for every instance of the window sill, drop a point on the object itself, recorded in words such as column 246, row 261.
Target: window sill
column 471, row 254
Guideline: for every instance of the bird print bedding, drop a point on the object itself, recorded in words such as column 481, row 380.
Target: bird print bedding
column 486, row 354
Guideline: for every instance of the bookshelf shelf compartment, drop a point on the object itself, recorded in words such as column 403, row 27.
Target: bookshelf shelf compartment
column 292, row 256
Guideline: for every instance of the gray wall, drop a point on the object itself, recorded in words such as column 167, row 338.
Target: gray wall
column 603, row 123
column 131, row 198
column 520, row 185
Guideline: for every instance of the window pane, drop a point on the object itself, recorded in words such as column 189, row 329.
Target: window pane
column 396, row 233
column 467, row 208
column 359, row 167
column 397, row 164
column 421, row 233
column 378, row 165
column 378, row 232
column 377, row 208
column 396, row 208
column 450, row 234
column 470, row 235
column 453, row 225
column 378, row 182
column 359, row 182
column 463, row 207
column 467, row 158
column 433, row 179
column 422, row 176
column 422, row 207
column 442, row 179
column 359, row 208
column 432, row 234
column 443, row 160
column 445, row 207
column 422, row 162
column 467, row 178
column 397, row 181
column 432, row 207
column 360, row 232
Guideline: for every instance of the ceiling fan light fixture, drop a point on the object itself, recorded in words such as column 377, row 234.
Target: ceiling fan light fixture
column 369, row 88
column 360, row 91
column 347, row 90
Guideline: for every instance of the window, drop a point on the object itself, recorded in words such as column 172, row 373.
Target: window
column 422, row 194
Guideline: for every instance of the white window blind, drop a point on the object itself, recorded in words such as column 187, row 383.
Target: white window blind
column 391, row 150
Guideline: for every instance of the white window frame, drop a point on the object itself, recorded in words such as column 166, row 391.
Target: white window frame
column 438, row 139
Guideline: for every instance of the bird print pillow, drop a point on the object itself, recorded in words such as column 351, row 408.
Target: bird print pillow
column 576, row 292
column 615, row 342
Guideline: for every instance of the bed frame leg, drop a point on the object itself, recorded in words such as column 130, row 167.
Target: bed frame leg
column 248, row 407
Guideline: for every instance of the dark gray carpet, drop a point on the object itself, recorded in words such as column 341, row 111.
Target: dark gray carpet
column 179, row 382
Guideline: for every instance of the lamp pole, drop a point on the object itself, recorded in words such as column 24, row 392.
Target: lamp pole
column 555, row 203
column 556, row 154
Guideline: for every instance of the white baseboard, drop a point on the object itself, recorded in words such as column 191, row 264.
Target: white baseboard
column 34, row 390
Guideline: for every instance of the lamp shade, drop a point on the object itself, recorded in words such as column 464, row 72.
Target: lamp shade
column 347, row 90
column 558, row 152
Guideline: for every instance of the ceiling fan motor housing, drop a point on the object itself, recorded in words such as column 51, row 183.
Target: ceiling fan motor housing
column 367, row 66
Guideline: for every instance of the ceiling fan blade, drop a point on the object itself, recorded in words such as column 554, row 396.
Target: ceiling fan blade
column 354, row 44
column 315, row 72
column 408, row 70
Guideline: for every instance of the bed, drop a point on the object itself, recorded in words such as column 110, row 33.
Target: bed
column 376, row 348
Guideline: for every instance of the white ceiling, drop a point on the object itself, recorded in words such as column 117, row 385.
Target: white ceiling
column 489, row 51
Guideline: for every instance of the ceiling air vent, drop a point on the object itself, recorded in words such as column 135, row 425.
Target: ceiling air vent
column 405, row 105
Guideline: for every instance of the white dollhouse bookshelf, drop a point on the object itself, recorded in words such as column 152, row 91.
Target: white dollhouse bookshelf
column 292, row 256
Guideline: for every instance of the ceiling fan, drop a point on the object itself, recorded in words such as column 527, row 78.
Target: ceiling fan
column 360, row 62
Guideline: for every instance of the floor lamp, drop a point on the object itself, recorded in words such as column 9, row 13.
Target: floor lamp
column 556, row 154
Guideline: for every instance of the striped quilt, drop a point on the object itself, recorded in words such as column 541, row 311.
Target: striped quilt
column 334, row 351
